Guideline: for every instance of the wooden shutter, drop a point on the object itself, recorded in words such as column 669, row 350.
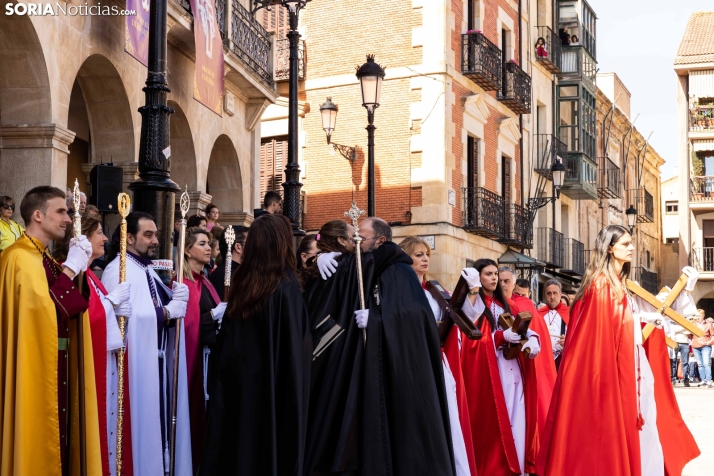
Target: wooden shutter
column 277, row 20
column 506, row 177
column 273, row 153
column 472, row 162
column 708, row 228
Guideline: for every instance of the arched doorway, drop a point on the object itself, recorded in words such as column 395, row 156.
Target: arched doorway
column 183, row 153
column 223, row 180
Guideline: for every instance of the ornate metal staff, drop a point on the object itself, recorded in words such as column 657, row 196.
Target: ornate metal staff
column 80, row 344
column 354, row 213
column 184, row 205
column 124, row 205
column 230, row 236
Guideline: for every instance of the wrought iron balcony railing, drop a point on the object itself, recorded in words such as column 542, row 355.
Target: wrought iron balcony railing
column 481, row 61
column 250, row 42
column 550, row 247
column 704, row 259
column 702, row 189
column 580, row 177
column 483, row 212
column 549, row 53
column 608, row 178
column 515, row 224
column 574, row 259
column 576, row 63
column 547, row 147
column 647, row 279
column 282, row 60
column 515, row 92
column 643, row 201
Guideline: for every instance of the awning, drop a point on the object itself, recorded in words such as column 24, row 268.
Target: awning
column 701, row 83
column 701, row 145
column 519, row 261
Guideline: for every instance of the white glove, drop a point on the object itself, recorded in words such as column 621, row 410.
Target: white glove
column 533, row 345
column 327, row 264
column 654, row 318
column 693, row 275
column 180, row 292
column 472, row 277
column 77, row 259
column 219, row 311
column 362, row 317
column 120, row 299
column 511, row 337
column 176, row 309
column 83, row 243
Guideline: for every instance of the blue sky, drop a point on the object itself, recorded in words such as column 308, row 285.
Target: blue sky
column 638, row 40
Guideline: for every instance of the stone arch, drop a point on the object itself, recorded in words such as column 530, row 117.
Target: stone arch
column 183, row 152
column 223, row 180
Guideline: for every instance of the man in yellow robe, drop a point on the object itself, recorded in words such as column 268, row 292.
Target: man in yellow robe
column 37, row 299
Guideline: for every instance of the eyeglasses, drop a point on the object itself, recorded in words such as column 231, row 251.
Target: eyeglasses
column 8, row 207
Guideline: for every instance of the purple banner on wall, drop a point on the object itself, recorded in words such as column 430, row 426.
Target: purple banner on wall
column 208, row 78
column 137, row 31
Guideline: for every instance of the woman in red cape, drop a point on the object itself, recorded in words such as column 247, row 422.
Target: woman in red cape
column 601, row 412
column 502, row 393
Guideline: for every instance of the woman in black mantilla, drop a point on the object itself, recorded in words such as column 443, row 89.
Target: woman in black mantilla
column 258, row 415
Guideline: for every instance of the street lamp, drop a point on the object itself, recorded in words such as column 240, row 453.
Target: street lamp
column 292, row 185
column 370, row 77
column 631, row 218
column 328, row 111
column 558, row 171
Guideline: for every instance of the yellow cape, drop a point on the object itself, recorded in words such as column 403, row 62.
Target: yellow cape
column 29, row 426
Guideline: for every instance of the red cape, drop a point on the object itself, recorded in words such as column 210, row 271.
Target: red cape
column 592, row 426
column 98, row 330
column 490, row 426
column 678, row 444
column 544, row 362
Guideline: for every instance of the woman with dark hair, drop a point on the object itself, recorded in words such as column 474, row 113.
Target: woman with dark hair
column 504, row 420
column 308, row 249
column 541, row 48
column 197, row 221
column 637, row 429
column 212, row 214
column 258, row 409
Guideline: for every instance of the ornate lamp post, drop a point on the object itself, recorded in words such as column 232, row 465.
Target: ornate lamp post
column 292, row 185
column 370, row 77
column 154, row 192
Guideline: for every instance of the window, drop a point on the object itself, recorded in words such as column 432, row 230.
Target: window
column 672, row 207
column 506, row 179
column 672, row 241
column 472, row 162
column 273, row 155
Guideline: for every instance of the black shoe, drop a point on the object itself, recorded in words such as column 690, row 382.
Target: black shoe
column 686, row 383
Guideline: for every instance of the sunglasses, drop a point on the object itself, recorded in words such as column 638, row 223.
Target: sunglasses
column 8, row 207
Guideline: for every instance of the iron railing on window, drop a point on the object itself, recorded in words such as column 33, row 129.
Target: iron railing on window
column 643, row 201
column 574, row 259
column 646, row 279
column 515, row 92
column 580, row 177
column 483, row 212
column 547, row 147
column 550, row 247
column 702, row 189
column 221, row 17
column 282, row 60
column 548, row 54
column 608, row 183
column 481, row 61
column 250, row 42
column 515, row 224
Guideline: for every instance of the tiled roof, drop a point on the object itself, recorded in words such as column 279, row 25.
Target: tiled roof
column 697, row 45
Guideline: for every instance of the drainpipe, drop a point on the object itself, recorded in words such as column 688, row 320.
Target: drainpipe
column 520, row 116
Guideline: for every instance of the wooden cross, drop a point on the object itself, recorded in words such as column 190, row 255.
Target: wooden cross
column 665, row 308
column 518, row 325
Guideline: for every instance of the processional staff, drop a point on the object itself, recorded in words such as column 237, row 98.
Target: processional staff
column 80, row 344
column 184, row 204
column 354, row 213
column 124, row 205
column 230, row 236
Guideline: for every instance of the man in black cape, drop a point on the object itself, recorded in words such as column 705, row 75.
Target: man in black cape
column 404, row 428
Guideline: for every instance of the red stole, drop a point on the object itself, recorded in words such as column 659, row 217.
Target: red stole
column 488, row 413
column 98, row 329
column 561, row 309
column 544, row 362
column 678, row 444
column 592, row 422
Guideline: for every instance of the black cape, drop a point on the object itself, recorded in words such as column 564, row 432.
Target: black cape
column 406, row 429
column 335, row 392
column 258, row 413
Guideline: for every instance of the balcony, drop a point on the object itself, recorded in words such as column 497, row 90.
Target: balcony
column 608, row 183
column 481, row 61
column 577, row 64
column 643, row 201
column 701, row 118
column 483, row 212
column 646, row 279
column 703, row 261
column 574, row 259
column 516, row 89
column 549, row 54
column 580, row 181
column 701, row 193
column 547, row 147
column 282, row 60
column 515, row 225
column 550, row 247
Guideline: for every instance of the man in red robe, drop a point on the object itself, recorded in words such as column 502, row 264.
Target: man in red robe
column 556, row 316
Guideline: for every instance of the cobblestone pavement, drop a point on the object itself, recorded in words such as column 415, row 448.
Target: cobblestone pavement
column 697, row 406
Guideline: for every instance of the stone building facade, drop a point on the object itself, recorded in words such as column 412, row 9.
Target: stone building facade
column 70, row 94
